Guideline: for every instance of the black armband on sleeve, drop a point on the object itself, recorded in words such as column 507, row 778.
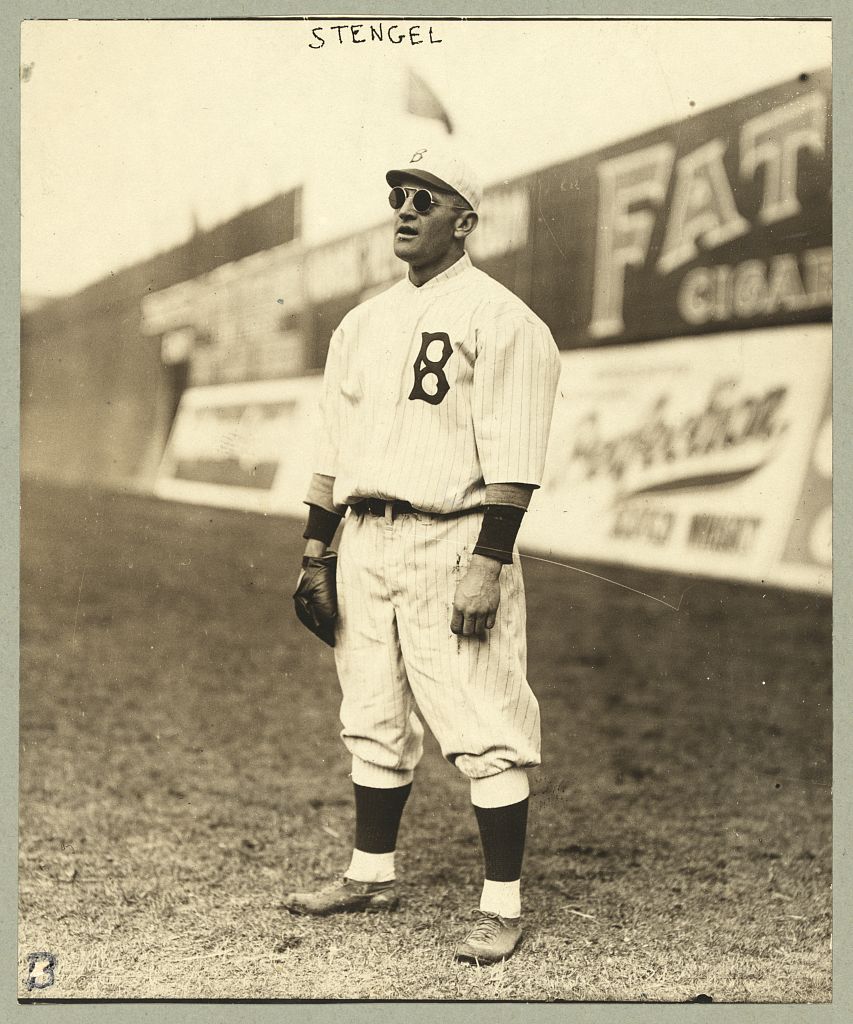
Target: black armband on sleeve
column 500, row 527
column 321, row 524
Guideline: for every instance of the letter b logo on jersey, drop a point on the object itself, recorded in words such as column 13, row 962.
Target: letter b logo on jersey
column 431, row 384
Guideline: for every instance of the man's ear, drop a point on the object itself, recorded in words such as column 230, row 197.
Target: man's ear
column 465, row 224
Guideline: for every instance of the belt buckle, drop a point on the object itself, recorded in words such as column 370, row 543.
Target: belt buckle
column 389, row 512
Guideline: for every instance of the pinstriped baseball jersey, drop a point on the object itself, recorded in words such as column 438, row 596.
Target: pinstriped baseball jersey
column 432, row 392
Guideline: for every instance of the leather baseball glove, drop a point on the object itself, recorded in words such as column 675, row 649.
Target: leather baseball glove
column 316, row 596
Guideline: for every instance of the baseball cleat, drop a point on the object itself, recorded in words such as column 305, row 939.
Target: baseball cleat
column 342, row 897
column 492, row 938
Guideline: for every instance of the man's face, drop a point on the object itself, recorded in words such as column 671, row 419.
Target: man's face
column 422, row 239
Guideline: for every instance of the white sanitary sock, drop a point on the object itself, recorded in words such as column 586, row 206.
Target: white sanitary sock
column 502, row 898
column 371, row 867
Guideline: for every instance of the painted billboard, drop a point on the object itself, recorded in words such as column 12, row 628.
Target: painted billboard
column 692, row 456
column 704, row 456
column 243, row 446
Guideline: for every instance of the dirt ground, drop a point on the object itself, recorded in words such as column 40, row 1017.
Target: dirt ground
column 181, row 769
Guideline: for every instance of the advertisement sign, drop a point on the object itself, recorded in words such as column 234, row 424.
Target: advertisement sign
column 241, row 321
column 243, row 446
column 807, row 557
column 688, row 455
column 718, row 222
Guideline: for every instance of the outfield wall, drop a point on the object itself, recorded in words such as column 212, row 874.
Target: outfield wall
column 686, row 275
column 710, row 457
column 98, row 392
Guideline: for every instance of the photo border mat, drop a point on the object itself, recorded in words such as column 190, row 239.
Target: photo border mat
column 841, row 1007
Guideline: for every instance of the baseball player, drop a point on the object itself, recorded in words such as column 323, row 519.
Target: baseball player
column 438, row 395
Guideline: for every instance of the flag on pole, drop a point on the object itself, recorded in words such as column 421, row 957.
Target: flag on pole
column 423, row 102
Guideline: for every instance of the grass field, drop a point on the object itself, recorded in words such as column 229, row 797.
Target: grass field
column 181, row 769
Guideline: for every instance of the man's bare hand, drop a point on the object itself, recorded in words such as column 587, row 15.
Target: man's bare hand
column 478, row 594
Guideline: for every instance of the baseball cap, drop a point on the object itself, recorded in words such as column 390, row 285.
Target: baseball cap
column 443, row 168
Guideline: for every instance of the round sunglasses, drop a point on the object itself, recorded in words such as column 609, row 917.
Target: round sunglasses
column 422, row 199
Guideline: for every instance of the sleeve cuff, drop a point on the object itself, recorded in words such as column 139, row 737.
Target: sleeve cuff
column 320, row 493
column 516, row 494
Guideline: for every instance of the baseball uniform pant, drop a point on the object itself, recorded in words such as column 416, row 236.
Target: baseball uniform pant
column 394, row 649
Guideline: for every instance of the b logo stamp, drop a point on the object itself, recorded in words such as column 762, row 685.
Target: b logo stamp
column 431, row 384
column 41, row 971
column 417, row 155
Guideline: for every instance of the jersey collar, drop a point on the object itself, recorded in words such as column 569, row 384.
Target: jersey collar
column 454, row 270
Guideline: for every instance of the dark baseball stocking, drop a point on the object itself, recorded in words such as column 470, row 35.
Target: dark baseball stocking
column 377, row 817
column 502, row 832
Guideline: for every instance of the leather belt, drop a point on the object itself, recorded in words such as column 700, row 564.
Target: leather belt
column 381, row 508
